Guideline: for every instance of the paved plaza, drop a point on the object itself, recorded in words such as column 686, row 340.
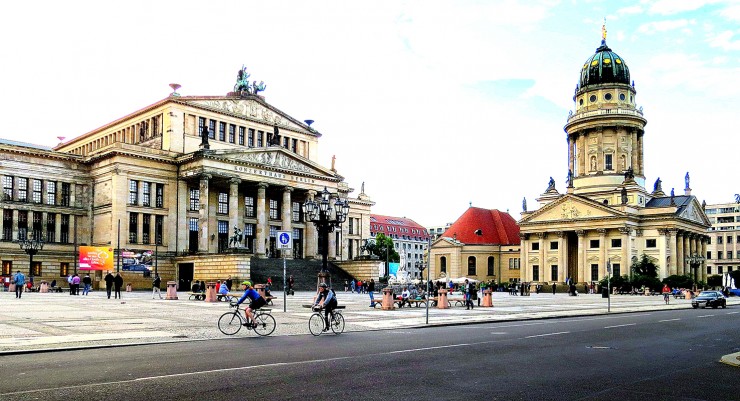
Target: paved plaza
column 45, row 321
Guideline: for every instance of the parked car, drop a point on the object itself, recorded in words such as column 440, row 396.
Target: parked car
column 709, row 298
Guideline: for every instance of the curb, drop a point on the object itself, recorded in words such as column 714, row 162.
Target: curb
column 731, row 359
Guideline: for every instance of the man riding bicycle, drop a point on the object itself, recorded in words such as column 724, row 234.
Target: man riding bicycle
column 326, row 300
column 256, row 301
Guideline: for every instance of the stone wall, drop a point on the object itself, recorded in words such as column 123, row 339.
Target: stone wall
column 361, row 269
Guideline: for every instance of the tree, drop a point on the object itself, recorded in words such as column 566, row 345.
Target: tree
column 380, row 246
column 645, row 267
column 714, row 281
column 679, row 281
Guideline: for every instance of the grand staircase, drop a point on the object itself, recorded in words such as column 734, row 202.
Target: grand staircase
column 305, row 273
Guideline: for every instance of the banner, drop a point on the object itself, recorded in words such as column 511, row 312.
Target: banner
column 96, row 258
column 393, row 268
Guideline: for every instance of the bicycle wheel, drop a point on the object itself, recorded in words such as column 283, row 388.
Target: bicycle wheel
column 230, row 322
column 337, row 323
column 316, row 324
column 265, row 324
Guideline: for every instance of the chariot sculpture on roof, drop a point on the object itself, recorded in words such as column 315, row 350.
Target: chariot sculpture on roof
column 243, row 86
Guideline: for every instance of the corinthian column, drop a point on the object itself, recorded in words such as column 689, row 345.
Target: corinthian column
column 287, row 208
column 203, row 214
column 581, row 257
column 234, row 203
column 311, row 244
column 261, row 219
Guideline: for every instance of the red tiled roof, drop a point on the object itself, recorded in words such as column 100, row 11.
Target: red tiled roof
column 495, row 228
column 380, row 224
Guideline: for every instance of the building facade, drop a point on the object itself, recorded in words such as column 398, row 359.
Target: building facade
column 723, row 248
column 203, row 181
column 481, row 244
column 606, row 215
column 410, row 240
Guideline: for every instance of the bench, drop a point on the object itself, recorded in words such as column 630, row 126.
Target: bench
column 311, row 306
column 415, row 302
column 197, row 296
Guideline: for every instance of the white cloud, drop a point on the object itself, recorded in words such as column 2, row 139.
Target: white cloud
column 732, row 13
column 724, row 41
column 669, row 7
column 630, row 10
column 664, row 26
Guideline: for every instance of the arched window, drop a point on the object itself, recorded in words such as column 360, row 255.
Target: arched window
column 471, row 265
column 490, row 266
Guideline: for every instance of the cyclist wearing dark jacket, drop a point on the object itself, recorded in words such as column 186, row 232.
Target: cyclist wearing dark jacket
column 327, row 300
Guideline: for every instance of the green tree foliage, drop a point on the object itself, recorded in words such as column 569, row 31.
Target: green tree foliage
column 714, row 280
column 679, row 281
column 645, row 267
column 622, row 283
column 382, row 245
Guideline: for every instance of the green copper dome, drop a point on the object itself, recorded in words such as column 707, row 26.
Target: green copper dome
column 604, row 67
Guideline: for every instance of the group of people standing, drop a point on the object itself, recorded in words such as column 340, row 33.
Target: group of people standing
column 74, row 284
column 362, row 287
column 113, row 283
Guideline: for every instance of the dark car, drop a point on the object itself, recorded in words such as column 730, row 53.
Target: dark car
column 709, row 298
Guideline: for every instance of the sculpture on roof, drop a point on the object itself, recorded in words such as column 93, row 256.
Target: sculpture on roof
column 362, row 188
column 737, row 198
column 569, row 180
column 257, row 88
column 275, row 140
column 524, row 204
column 673, row 196
column 242, row 80
column 204, row 138
column 625, row 199
column 686, row 178
column 658, row 186
column 550, row 185
column 629, row 174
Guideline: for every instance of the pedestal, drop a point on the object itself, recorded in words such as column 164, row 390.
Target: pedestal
column 211, row 292
column 442, row 299
column 44, row 287
column 324, row 277
column 171, row 290
column 128, row 288
column 487, row 299
column 387, row 299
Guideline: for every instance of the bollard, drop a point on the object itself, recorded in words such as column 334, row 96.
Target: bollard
column 128, row 288
column 171, row 290
column 260, row 288
column 44, row 287
column 11, row 287
column 442, row 299
column 388, row 303
column 211, row 292
column 487, row 299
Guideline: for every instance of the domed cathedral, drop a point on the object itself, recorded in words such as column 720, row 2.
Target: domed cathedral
column 606, row 215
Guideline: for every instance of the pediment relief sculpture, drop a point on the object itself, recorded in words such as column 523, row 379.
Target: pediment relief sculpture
column 273, row 159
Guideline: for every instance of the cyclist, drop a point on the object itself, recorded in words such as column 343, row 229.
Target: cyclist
column 666, row 293
column 326, row 299
column 256, row 301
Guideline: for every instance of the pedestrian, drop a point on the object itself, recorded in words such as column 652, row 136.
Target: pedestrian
column 346, row 285
column 109, row 283
column 87, row 281
column 359, row 286
column 155, row 286
column 291, row 283
column 370, row 290
column 20, row 281
column 469, row 290
column 76, row 284
column 553, row 288
column 69, row 283
column 229, row 282
column 202, row 286
column 352, row 285
column 118, row 282
column 269, row 281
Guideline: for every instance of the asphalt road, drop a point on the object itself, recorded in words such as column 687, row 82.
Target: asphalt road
column 668, row 355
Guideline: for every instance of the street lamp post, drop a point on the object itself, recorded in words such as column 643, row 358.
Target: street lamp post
column 326, row 217
column 31, row 247
column 694, row 261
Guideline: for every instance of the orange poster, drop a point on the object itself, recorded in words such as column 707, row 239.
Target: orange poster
column 96, row 258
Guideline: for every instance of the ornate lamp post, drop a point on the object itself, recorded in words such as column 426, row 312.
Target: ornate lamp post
column 326, row 216
column 422, row 266
column 694, row 261
column 31, row 247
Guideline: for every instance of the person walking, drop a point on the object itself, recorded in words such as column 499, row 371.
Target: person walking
column 87, row 281
column 118, row 282
column 352, row 285
column 469, row 290
column 371, row 290
column 69, row 283
column 553, row 288
column 155, row 286
column 291, row 283
column 20, row 281
column 76, row 284
column 109, row 283
column 229, row 283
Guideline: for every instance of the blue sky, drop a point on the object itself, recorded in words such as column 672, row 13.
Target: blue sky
column 433, row 104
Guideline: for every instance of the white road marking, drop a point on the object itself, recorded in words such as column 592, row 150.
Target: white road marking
column 705, row 316
column 498, row 333
column 668, row 320
column 548, row 334
column 732, row 313
column 620, row 325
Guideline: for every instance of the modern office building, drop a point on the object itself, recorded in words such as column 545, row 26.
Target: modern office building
column 723, row 247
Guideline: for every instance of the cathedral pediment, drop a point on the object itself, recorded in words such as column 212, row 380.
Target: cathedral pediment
column 570, row 208
column 694, row 212
column 250, row 108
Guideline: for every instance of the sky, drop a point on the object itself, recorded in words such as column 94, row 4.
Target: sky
column 434, row 105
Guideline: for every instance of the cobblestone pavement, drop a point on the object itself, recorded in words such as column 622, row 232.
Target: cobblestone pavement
column 61, row 321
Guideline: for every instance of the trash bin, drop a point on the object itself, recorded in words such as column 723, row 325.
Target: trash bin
column 604, row 293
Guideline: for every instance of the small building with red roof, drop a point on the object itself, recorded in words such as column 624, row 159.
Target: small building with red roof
column 482, row 244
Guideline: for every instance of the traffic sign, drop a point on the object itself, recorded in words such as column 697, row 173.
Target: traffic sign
column 285, row 239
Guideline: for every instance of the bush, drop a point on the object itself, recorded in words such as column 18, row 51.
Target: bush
column 649, row 282
column 714, row 281
column 679, row 281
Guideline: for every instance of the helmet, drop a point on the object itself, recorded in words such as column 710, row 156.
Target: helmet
column 247, row 283
column 323, row 285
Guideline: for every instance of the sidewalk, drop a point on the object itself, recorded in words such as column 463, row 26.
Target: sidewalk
column 60, row 321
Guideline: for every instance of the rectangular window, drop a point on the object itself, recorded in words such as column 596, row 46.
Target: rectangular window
column 212, row 129
column 616, row 270
column 133, row 192
column 158, row 229
column 491, row 264
column 249, row 235
column 709, row 254
column 222, row 131
column 64, row 229
column 65, row 194
column 729, row 239
column 37, row 225
column 133, row 228
column 351, row 226
column 223, row 203
column 274, row 209
column 201, row 125
column 651, row 243
column 594, row 243
column 146, row 220
column 616, row 242
column 51, row 192
column 194, row 199
column 720, row 270
column 22, row 224
column 7, row 267
column 535, row 246
column 36, row 191
column 719, row 254
column 146, row 194
column 553, row 245
column 36, row 269
column 709, row 269
column 729, row 254
column 286, row 142
column 23, row 190
column 159, row 200
column 260, row 140
column 250, row 138
column 594, row 272
column 554, row 273
column 719, row 240
column 297, row 214
column 51, row 227
column 514, row 263
column 223, row 235
column 608, row 162
column 7, row 187
column 249, row 206
column 193, row 224
column 294, row 146
column 241, row 136
column 7, row 225
column 232, row 133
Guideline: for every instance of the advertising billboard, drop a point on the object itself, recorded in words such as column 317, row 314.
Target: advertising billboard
column 96, row 258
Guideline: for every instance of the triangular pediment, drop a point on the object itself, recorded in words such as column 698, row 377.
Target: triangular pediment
column 250, row 108
column 570, row 208
column 275, row 158
column 694, row 212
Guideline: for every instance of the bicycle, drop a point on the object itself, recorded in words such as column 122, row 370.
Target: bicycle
column 316, row 321
column 231, row 322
